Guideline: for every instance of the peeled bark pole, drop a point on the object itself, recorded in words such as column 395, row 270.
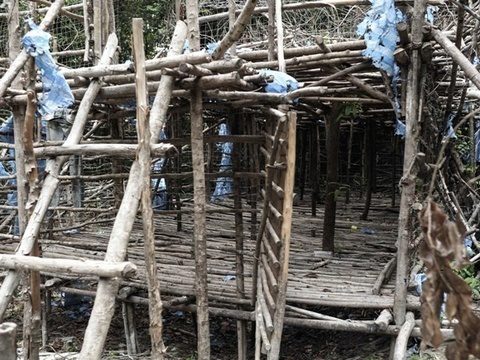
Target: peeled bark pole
column 457, row 56
column 158, row 113
column 50, row 183
column 236, row 31
column 68, row 266
column 144, row 158
column 22, row 58
column 8, row 346
column 400, row 352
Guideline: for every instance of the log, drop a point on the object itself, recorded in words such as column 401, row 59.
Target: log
column 468, row 68
column 127, row 150
column 403, row 336
column 67, row 266
column 384, row 319
column 8, row 342
column 236, row 31
column 22, row 58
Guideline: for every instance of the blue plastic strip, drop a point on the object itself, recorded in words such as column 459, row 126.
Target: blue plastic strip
column 56, row 92
column 224, row 185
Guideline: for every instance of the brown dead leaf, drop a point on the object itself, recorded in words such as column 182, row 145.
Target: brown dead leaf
column 443, row 251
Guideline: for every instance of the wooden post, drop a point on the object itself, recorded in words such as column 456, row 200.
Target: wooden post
column 314, row 166
column 144, row 158
column 408, row 179
column 349, row 163
column 370, row 166
column 239, row 239
column 279, row 22
column 303, row 162
column 199, row 232
column 285, row 238
column 128, row 314
column 333, row 137
column 271, row 30
column 8, row 343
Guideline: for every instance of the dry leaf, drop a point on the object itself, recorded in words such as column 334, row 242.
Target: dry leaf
column 443, row 251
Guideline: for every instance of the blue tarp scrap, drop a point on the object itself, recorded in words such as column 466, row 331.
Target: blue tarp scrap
column 282, row 83
column 400, row 129
column 224, row 184
column 56, row 92
column 159, row 186
column 477, row 143
column 431, row 13
column 448, row 132
column 379, row 29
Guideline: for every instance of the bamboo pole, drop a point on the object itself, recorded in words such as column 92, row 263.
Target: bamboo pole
column 144, row 158
column 51, row 182
column 22, row 57
column 199, row 233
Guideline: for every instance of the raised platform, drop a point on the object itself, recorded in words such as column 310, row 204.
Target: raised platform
column 345, row 279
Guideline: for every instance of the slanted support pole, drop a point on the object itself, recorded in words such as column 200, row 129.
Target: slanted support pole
column 332, row 144
column 407, row 182
column 20, row 60
column 198, row 161
column 158, row 113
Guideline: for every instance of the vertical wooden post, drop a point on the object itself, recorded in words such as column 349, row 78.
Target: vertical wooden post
column 278, row 20
column 131, row 339
column 303, row 162
column 370, row 166
column 271, row 30
column 144, row 158
column 408, row 179
column 349, row 163
column 332, row 139
column 314, row 164
column 199, row 232
column 394, row 169
column 239, row 238
column 8, row 343
column 285, row 238
column 232, row 7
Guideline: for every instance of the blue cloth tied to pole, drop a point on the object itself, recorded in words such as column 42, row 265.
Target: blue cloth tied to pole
column 56, row 92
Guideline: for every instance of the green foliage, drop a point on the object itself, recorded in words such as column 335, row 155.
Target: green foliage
column 157, row 28
column 468, row 274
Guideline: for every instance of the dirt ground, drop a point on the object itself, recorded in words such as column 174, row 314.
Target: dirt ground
column 66, row 327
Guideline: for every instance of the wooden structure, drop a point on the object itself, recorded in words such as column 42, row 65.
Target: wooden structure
column 272, row 250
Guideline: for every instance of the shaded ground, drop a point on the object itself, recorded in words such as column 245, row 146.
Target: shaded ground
column 66, row 330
